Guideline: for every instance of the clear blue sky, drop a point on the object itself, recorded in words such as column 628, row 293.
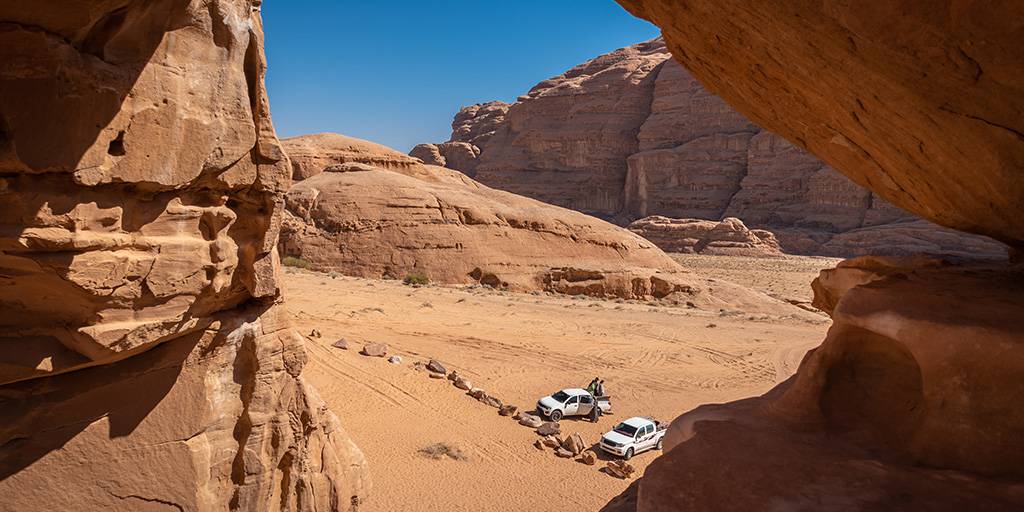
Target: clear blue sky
column 396, row 71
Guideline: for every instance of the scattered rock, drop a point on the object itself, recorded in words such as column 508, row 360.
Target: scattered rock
column 463, row 383
column 395, row 360
column 620, row 469
column 375, row 350
column 435, row 375
column 477, row 393
column 549, row 428
column 314, row 333
column 726, row 237
column 342, row 344
column 588, row 457
column 453, row 375
column 538, row 444
column 552, row 442
column 574, row 444
column 492, row 401
column 507, row 410
column 562, row 452
column 436, row 366
column 529, row 420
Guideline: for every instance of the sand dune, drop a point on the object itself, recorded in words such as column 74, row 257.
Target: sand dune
column 657, row 359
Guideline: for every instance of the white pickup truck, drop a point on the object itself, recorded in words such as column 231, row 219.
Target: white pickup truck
column 572, row 402
column 633, row 436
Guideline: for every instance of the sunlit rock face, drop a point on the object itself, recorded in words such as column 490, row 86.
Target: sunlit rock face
column 907, row 404
column 363, row 214
column 632, row 134
column 145, row 355
column 922, row 102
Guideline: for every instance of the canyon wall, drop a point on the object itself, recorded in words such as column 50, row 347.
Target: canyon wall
column 908, row 402
column 632, row 134
column 147, row 359
column 366, row 211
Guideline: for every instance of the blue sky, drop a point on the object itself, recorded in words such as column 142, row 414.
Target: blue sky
column 396, row 71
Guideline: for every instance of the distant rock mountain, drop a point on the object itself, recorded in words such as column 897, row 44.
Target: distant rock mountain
column 632, row 134
column 366, row 210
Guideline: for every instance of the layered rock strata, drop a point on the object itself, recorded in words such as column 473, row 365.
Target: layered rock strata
column 147, row 361
column 437, row 223
column 907, row 403
column 632, row 134
column 727, row 237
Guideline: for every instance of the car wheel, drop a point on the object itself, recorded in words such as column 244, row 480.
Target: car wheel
column 556, row 415
column 658, row 446
column 629, row 454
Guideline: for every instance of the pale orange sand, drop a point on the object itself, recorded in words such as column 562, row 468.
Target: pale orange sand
column 657, row 360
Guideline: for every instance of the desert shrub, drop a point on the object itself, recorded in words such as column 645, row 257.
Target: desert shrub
column 416, row 279
column 291, row 261
column 439, row 451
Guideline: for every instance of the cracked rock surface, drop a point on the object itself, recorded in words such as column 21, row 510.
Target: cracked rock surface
column 145, row 355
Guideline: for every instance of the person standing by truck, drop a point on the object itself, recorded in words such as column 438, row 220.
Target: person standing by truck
column 595, row 412
column 592, row 387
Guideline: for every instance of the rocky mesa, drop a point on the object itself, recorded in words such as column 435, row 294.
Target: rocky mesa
column 147, row 361
column 363, row 218
column 632, row 134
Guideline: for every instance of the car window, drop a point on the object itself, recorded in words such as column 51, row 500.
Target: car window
column 586, row 399
column 573, row 401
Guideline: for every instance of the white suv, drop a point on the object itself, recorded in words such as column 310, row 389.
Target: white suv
column 633, row 436
column 571, row 402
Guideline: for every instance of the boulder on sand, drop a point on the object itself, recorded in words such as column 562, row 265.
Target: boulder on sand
column 492, row 401
column 574, row 443
column 620, row 469
column 463, row 383
column 395, row 360
column 563, row 453
column 375, row 350
column 529, row 420
column 588, row 457
column 507, row 410
column 435, row 366
column 342, row 344
column 550, row 428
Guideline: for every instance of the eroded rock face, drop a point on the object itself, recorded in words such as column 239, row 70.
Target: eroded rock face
column 906, row 404
column 424, row 220
column 894, row 410
column 956, row 82
column 633, row 134
column 141, row 190
column 728, row 237
column 311, row 154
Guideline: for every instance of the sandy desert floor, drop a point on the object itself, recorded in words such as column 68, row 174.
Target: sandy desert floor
column 657, row 360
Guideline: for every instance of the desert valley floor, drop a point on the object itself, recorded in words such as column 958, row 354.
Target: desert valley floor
column 658, row 359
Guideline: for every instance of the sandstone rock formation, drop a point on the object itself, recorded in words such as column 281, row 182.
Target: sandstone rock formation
column 367, row 221
column 907, row 403
column 312, row 154
column 147, row 361
column 632, row 134
column 956, row 81
column 728, row 237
